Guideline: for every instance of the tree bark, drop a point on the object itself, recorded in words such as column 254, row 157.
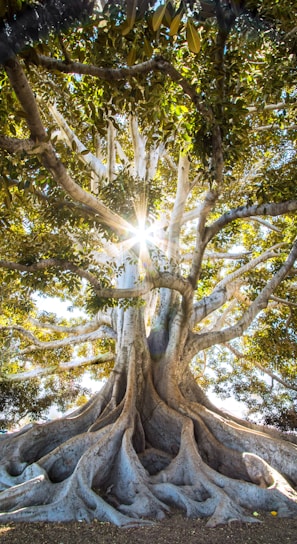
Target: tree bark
column 148, row 441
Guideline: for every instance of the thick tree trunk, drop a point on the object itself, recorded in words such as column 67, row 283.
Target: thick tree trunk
column 148, row 441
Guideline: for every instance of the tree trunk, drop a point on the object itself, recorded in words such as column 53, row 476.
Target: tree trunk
column 148, row 441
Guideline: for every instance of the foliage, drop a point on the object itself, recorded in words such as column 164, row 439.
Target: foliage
column 242, row 75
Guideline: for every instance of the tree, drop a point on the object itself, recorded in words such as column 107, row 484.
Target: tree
column 148, row 175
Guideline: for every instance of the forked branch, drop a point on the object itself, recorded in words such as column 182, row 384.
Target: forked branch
column 198, row 342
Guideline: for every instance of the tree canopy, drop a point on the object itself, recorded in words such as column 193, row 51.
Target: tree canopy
column 148, row 176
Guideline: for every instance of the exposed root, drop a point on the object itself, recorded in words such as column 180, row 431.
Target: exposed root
column 280, row 454
column 129, row 465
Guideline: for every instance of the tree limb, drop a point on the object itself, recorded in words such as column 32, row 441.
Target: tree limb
column 266, row 370
column 270, row 208
column 223, row 291
column 283, row 301
column 268, row 107
column 38, row 372
column 175, row 223
column 16, row 145
column 99, row 333
column 44, row 264
column 264, row 223
column 198, row 342
column 205, row 209
column 89, row 159
column 50, row 160
column 107, row 74
column 91, row 326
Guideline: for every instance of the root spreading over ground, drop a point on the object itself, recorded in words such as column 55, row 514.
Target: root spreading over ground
column 134, row 452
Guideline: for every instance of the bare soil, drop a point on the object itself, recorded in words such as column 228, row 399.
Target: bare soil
column 173, row 530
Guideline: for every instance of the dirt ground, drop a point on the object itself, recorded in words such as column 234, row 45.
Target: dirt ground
column 174, row 530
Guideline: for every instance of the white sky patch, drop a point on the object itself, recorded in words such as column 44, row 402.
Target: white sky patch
column 62, row 308
column 230, row 405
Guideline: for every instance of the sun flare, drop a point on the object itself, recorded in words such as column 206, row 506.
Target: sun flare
column 141, row 234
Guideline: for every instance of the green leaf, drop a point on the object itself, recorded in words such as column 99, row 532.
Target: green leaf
column 148, row 49
column 126, row 27
column 193, row 38
column 158, row 17
column 175, row 24
column 131, row 58
column 131, row 12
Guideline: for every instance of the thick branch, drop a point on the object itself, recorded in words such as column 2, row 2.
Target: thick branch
column 217, row 255
column 274, row 126
column 163, row 280
column 224, row 290
column 205, row 209
column 264, row 223
column 38, row 372
column 138, row 143
column 268, row 107
column 50, row 160
column 89, row 159
column 107, row 74
column 26, row 98
column 102, row 332
column 111, row 292
column 16, row 145
column 117, row 74
column 76, row 329
column 209, row 304
column 271, row 208
column 198, row 342
column 182, row 191
column 283, row 301
column 52, row 263
column 269, row 254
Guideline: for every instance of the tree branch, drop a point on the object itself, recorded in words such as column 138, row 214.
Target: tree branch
column 205, row 209
column 89, row 159
column 26, row 98
column 216, row 255
column 117, row 74
column 175, row 223
column 107, row 74
column 50, row 160
column 274, row 126
column 85, row 328
column 16, row 145
column 271, row 208
column 102, row 332
column 52, row 263
column 199, row 342
column 272, row 375
column 264, row 223
column 223, row 292
column 162, row 280
column 38, row 372
column 283, row 301
column 268, row 107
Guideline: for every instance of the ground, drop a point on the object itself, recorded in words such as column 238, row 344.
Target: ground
column 173, row 530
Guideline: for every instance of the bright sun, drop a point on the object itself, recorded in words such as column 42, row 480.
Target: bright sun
column 141, row 234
